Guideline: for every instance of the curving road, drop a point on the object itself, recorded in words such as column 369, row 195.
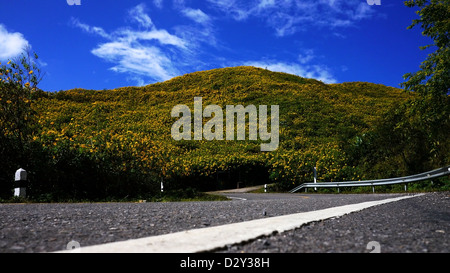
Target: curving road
column 415, row 225
column 419, row 224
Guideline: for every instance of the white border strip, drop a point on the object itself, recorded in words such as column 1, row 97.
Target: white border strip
column 238, row 198
column 207, row 239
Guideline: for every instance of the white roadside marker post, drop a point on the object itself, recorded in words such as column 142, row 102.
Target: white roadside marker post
column 20, row 183
column 315, row 177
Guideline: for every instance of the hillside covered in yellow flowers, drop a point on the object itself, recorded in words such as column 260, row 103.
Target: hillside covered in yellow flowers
column 118, row 142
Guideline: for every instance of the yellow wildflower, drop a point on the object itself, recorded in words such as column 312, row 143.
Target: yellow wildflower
column 31, row 72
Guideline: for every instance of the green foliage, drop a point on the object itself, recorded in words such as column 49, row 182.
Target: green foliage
column 117, row 142
column 434, row 76
column 18, row 90
column 18, row 83
column 414, row 136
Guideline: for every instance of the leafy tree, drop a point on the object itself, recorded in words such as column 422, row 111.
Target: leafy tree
column 434, row 76
column 18, row 87
column 431, row 110
column 413, row 136
column 18, row 83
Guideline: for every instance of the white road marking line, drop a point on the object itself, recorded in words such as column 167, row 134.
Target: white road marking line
column 238, row 198
column 208, row 239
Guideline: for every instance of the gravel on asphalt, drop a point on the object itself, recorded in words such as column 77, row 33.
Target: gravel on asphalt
column 414, row 225
column 50, row 227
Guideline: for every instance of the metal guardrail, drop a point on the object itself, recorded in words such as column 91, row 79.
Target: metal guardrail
column 379, row 182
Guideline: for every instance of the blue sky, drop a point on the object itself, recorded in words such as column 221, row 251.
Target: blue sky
column 108, row 44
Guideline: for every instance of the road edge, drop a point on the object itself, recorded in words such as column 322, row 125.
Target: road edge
column 217, row 237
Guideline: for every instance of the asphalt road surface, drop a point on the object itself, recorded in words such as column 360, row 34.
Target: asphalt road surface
column 419, row 224
column 415, row 225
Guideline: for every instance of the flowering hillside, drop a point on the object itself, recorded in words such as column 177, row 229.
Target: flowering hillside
column 118, row 142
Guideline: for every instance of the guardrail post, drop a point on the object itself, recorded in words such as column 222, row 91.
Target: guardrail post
column 20, row 183
column 315, row 176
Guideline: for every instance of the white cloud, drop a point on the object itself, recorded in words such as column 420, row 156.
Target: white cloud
column 237, row 10
column 158, row 3
column 362, row 11
column 138, row 14
column 146, row 61
column 93, row 30
column 11, row 43
column 196, row 15
column 160, row 35
column 146, row 53
column 306, row 56
column 287, row 17
column 318, row 72
column 151, row 53
column 199, row 30
column 266, row 4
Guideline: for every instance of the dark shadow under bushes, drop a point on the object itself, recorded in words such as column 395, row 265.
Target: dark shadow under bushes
column 70, row 175
column 235, row 176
